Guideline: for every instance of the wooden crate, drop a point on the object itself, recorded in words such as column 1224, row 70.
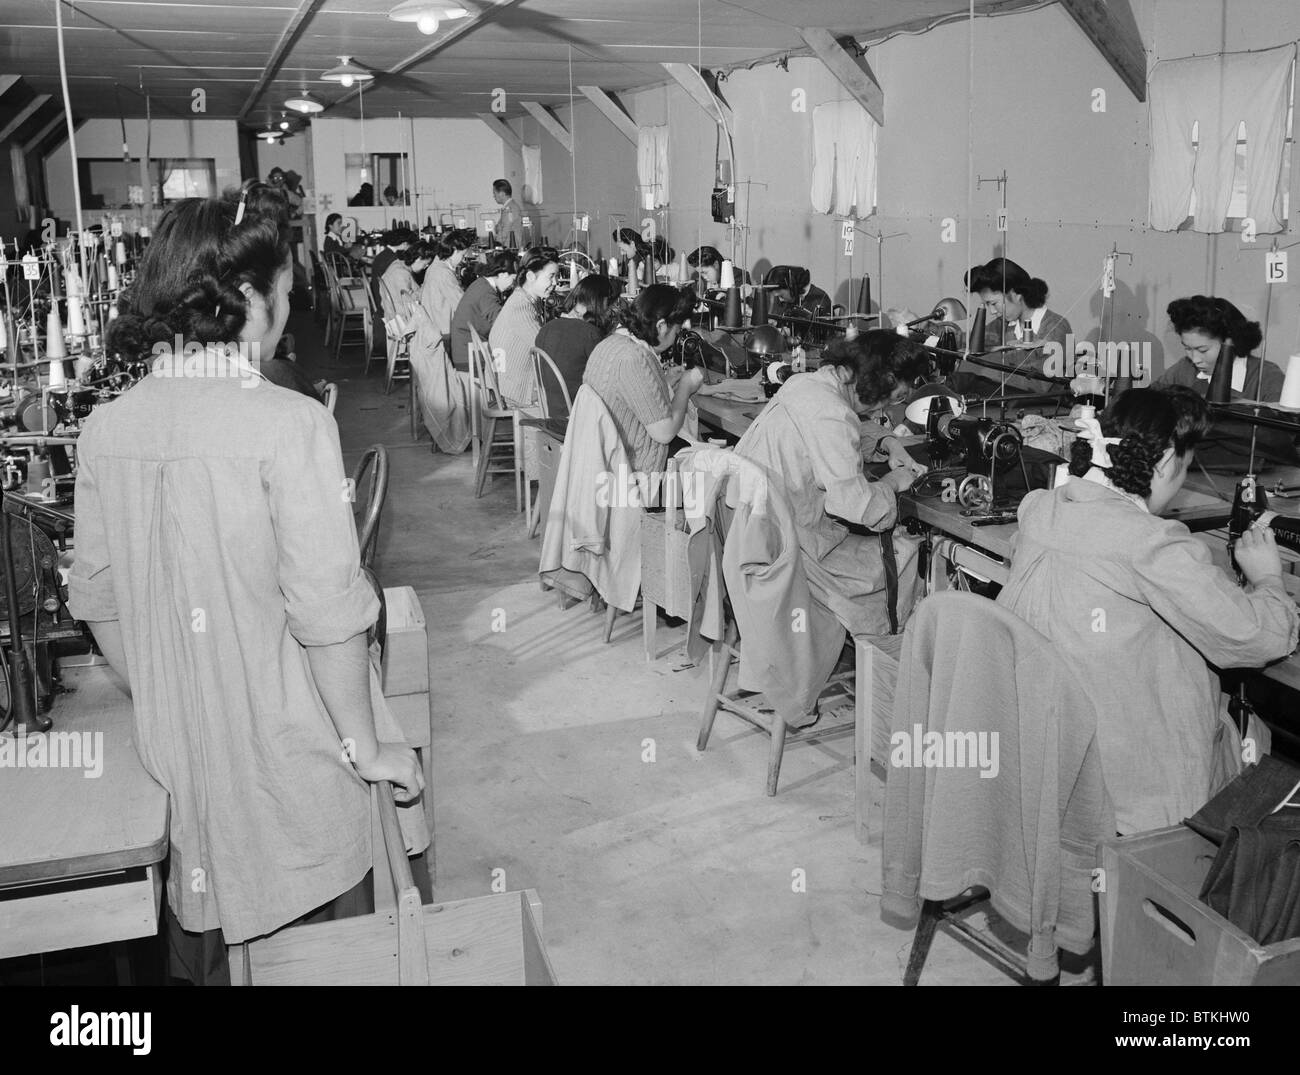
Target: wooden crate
column 406, row 653
column 1156, row 931
column 491, row 940
column 79, row 912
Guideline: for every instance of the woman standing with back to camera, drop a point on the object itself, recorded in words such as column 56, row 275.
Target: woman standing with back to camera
column 217, row 566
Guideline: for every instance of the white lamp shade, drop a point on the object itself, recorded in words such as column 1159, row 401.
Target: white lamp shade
column 307, row 105
column 918, row 411
column 347, row 73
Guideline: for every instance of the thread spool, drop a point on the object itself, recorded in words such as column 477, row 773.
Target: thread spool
column 112, row 278
column 864, row 295
column 648, row 271
column 54, row 336
column 38, row 473
column 613, row 267
column 632, row 285
column 758, row 316
column 732, row 316
column 1220, row 390
column 119, row 254
column 975, row 345
column 76, row 316
column 683, row 269
column 573, row 274
column 727, row 278
column 1291, row 385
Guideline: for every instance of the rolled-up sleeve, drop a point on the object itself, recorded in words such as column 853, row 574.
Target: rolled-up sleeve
column 1230, row 626
column 90, row 581
column 835, row 446
column 327, row 597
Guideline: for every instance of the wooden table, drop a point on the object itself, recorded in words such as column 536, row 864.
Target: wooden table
column 727, row 415
column 80, row 855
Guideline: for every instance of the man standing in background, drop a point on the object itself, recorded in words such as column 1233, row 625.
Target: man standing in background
column 510, row 222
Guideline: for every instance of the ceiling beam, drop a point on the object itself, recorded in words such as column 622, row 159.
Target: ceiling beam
column 1119, row 42
column 47, row 130
column 460, row 29
column 288, row 38
column 689, row 78
column 37, row 103
column 8, row 82
column 612, row 111
column 501, row 128
column 547, row 121
column 849, row 69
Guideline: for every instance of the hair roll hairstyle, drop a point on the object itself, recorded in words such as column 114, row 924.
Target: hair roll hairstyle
column 704, row 257
column 417, row 250
column 498, row 262
column 596, row 295
column 189, row 280
column 880, row 361
column 658, row 302
column 1148, row 421
column 1003, row 275
column 633, row 239
column 445, row 247
column 1217, row 318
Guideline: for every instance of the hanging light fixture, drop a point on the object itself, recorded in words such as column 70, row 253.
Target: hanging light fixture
column 347, row 73
column 425, row 15
column 365, row 160
column 306, row 104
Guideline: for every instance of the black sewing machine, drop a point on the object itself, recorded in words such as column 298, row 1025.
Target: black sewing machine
column 1250, row 504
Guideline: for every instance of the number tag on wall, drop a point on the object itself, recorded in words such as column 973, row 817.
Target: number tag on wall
column 527, row 221
column 1275, row 267
column 848, row 246
column 460, row 222
column 115, row 229
column 846, row 229
column 31, row 267
column 1002, row 220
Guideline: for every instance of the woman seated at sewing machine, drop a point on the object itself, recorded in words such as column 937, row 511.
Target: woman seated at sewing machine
column 1204, row 325
column 1135, row 601
column 811, row 437
column 515, row 329
column 1018, row 317
column 706, row 262
column 793, row 290
column 631, row 247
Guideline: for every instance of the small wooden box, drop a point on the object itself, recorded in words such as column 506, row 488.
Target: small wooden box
column 406, row 653
column 1156, row 931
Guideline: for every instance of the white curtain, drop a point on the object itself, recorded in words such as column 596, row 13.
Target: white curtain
column 533, row 175
column 1218, row 94
column 845, row 145
column 652, row 165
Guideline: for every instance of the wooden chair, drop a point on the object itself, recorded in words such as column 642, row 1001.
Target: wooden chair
column 352, row 310
column 371, row 508
column 397, row 340
column 493, row 420
column 544, row 369
column 375, row 314
column 768, row 721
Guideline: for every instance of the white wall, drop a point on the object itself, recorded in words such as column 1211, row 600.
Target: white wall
column 102, row 138
column 454, row 163
column 1078, row 178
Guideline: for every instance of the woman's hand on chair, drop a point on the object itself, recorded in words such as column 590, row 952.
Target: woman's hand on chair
column 396, row 764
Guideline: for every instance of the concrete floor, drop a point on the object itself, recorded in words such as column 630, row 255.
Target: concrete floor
column 676, row 871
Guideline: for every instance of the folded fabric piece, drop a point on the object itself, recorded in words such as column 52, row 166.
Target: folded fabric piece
column 1247, row 801
column 741, row 389
column 1254, row 881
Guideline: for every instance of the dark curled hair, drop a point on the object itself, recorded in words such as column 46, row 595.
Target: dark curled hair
column 1217, row 318
column 448, row 244
column 1003, row 275
column 703, row 257
column 398, row 236
column 596, row 295
column 792, row 278
column 880, row 361
column 417, row 250
column 1148, row 421
column 329, row 220
column 534, row 260
column 498, row 262
column 633, row 239
column 658, row 302
column 189, row 280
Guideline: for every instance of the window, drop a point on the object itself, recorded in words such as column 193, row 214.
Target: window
column 381, row 171
column 114, row 183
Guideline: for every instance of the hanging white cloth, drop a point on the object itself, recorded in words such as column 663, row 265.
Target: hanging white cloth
column 652, row 165
column 1218, row 93
column 845, row 145
column 533, row 174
